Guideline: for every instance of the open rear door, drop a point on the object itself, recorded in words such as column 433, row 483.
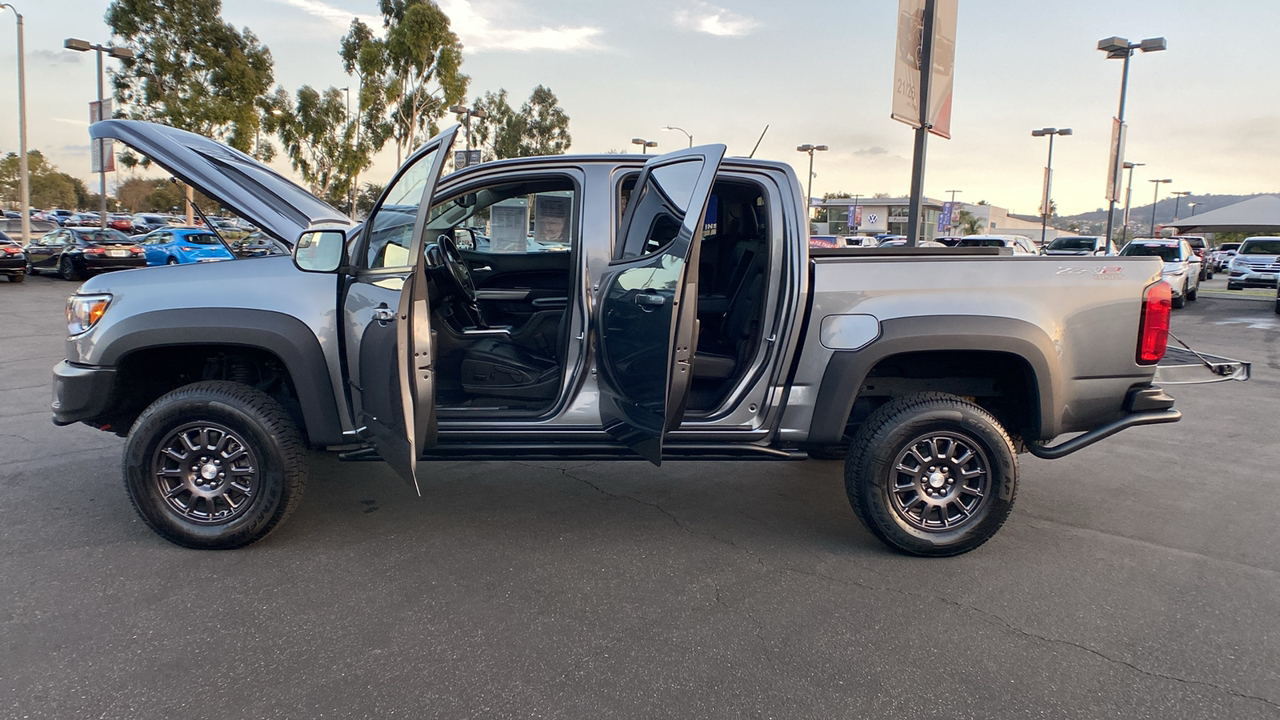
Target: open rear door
column 647, row 315
column 386, row 316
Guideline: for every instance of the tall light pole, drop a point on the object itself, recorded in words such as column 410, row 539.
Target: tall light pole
column 115, row 52
column 811, row 149
column 1047, row 200
column 24, row 178
column 1193, row 205
column 1118, row 47
column 673, row 127
column 1178, row 195
column 1128, row 194
column 1154, row 197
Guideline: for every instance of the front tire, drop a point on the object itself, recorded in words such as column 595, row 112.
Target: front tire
column 17, row 277
column 1180, row 301
column 932, row 475
column 1193, row 293
column 171, row 261
column 214, row 465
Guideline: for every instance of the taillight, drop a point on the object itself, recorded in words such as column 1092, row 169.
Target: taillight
column 137, row 250
column 188, row 249
column 1153, row 328
column 12, row 249
column 94, row 251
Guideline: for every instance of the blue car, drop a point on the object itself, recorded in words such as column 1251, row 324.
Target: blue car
column 175, row 246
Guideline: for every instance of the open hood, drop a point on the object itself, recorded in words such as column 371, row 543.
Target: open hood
column 252, row 190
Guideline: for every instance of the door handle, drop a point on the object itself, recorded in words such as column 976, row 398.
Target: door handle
column 650, row 301
column 483, row 268
column 384, row 314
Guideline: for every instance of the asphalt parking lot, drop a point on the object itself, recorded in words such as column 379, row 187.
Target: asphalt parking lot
column 1139, row 578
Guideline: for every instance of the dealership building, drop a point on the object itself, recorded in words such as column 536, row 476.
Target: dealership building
column 875, row 216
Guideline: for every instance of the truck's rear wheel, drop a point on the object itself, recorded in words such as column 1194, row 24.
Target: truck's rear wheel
column 214, row 465
column 930, row 474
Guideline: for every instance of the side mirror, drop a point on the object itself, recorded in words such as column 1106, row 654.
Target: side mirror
column 464, row 238
column 319, row 250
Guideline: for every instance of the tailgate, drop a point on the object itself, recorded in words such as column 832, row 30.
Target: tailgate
column 1183, row 366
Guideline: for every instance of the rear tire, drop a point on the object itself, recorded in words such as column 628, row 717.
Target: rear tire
column 214, row 465
column 932, row 475
column 67, row 270
column 171, row 261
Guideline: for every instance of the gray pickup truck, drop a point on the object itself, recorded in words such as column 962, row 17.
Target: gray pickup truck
column 605, row 307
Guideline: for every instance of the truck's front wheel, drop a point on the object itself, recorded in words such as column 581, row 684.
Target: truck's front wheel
column 930, row 474
column 214, row 465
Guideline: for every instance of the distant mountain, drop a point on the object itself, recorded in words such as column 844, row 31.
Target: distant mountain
column 1095, row 222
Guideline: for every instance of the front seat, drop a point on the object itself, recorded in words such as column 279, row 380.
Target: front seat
column 498, row 367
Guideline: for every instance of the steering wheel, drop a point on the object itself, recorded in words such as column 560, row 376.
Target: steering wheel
column 457, row 275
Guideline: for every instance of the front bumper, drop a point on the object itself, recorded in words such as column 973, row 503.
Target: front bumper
column 81, row 392
column 1253, row 279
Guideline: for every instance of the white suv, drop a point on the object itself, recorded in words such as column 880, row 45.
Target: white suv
column 1256, row 264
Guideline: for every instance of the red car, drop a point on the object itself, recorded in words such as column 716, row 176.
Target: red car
column 120, row 222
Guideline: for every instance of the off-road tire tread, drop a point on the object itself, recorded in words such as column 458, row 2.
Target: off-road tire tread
column 870, row 439
column 276, row 423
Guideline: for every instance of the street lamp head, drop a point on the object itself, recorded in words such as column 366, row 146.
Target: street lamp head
column 460, row 109
column 1043, row 131
column 638, row 141
column 1155, row 44
column 820, row 147
column 479, row 114
column 122, row 53
column 651, row 143
column 805, row 148
column 1113, row 45
column 77, row 44
column 1064, row 131
column 1131, row 165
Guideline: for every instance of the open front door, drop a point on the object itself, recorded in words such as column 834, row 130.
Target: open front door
column 647, row 315
column 386, row 316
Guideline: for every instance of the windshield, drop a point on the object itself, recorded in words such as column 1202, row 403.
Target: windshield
column 1072, row 243
column 1270, row 246
column 103, row 236
column 982, row 242
column 1226, row 247
column 1168, row 253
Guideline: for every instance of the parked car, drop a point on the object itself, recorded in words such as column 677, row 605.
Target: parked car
column 84, row 219
column 178, row 246
column 121, row 222
column 902, row 242
column 13, row 261
column 59, row 216
column 385, row 340
column 1256, row 264
column 1076, row 245
column 144, row 223
column 1019, row 244
column 75, row 253
column 1222, row 255
column 1181, row 264
column 258, row 244
column 1201, row 249
column 858, row 241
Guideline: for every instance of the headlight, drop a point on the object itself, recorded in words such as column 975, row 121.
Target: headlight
column 1238, row 264
column 84, row 311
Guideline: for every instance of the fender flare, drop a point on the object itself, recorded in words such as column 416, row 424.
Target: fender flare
column 284, row 336
column 847, row 370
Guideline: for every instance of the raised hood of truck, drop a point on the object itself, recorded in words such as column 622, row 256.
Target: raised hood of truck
column 252, row 190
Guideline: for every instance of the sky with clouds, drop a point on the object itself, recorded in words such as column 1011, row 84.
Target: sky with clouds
column 1205, row 113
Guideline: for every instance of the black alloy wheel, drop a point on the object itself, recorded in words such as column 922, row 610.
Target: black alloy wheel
column 931, row 474
column 940, row 481
column 67, row 270
column 206, row 473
